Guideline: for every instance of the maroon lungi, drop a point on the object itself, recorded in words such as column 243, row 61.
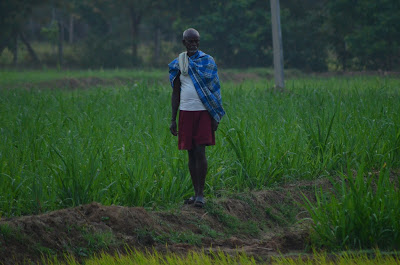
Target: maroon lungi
column 194, row 129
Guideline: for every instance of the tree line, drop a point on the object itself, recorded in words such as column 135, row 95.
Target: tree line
column 317, row 34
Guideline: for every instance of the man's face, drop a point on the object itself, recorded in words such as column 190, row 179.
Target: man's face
column 191, row 42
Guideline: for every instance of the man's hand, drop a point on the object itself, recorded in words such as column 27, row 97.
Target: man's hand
column 173, row 128
column 214, row 124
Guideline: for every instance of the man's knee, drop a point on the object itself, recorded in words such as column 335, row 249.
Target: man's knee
column 199, row 152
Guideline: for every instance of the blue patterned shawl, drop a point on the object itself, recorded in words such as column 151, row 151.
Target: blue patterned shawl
column 203, row 71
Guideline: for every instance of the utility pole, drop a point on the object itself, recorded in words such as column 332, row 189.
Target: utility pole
column 277, row 44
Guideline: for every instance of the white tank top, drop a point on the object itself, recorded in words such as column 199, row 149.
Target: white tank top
column 190, row 100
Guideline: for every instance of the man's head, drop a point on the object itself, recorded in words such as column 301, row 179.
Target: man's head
column 191, row 40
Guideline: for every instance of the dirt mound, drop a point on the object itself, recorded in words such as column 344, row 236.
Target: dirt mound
column 259, row 223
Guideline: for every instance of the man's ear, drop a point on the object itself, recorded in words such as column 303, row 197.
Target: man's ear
column 183, row 42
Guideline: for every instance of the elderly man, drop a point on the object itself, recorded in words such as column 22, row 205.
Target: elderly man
column 196, row 92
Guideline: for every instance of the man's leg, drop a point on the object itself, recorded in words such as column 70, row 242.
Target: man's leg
column 199, row 153
column 192, row 170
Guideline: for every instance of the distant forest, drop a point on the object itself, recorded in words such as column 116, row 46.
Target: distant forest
column 318, row 35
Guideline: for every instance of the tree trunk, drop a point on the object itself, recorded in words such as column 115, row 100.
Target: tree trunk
column 157, row 46
column 2, row 47
column 342, row 55
column 135, row 20
column 60, row 43
column 29, row 48
column 15, row 49
column 71, row 29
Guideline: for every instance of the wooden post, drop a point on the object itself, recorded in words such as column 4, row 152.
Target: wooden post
column 277, row 44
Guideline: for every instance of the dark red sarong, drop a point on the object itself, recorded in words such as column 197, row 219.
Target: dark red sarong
column 194, row 129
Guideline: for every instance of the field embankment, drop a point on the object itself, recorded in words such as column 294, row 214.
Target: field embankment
column 260, row 224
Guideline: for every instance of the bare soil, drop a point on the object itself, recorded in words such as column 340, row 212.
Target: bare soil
column 261, row 223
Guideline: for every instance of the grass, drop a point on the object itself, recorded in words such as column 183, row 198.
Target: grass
column 345, row 258
column 285, row 211
column 136, row 257
column 6, row 231
column 232, row 225
column 99, row 241
column 9, row 233
column 146, row 236
column 62, row 148
column 15, row 78
column 361, row 213
column 112, row 145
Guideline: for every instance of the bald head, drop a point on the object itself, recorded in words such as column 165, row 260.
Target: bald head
column 191, row 32
column 191, row 40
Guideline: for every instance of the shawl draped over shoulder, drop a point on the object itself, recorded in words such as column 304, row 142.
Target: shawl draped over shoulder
column 203, row 72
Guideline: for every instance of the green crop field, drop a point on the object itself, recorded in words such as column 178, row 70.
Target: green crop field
column 62, row 148
column 15, row 78
column 111, row 144
column 155, row 258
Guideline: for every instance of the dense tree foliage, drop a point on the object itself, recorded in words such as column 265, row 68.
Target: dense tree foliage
column 238, row 33
column 13, row 15
column 317, row 35
column 304, row 41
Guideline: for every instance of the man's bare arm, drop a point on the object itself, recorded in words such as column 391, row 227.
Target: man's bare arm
column 175, row 99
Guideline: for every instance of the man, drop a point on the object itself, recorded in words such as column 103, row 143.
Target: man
column 196, row 92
